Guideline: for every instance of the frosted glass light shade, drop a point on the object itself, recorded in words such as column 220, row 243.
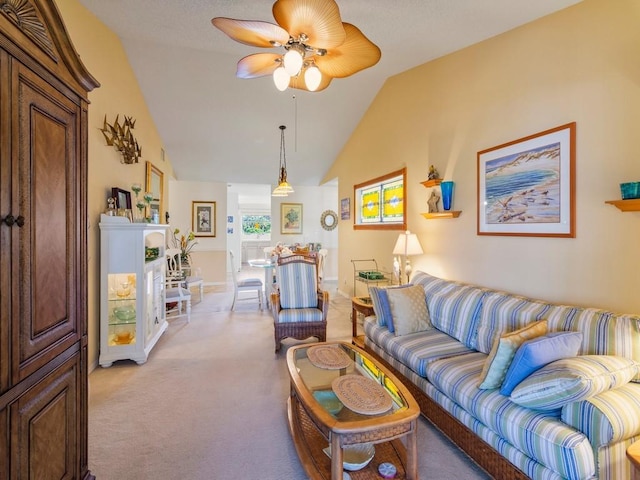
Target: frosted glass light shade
column 293, row 62
column 312, row 78
column 281, row 78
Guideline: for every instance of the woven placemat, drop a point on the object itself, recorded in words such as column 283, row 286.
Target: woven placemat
column 330, row 357
column 361, row 394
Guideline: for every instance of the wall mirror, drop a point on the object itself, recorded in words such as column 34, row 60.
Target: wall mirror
column 155, row 185
column 329, row 220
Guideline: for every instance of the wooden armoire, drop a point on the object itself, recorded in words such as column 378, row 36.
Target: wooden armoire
column 43, row 246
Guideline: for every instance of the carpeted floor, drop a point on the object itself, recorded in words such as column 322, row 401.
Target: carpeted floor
column 210, row 403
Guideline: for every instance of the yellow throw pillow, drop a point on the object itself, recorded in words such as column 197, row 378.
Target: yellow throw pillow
column 502, row 353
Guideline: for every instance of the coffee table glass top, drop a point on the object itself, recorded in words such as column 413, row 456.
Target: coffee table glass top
column 318, row 382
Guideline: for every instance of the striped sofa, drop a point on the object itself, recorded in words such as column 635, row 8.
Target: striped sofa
column 442, row 366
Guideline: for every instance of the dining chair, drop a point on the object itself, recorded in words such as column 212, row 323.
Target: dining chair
column 244, row 285
column 322, row 257
column 298, row 306
column 176, row 295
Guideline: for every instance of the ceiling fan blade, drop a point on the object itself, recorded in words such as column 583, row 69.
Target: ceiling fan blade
column 319, row 20
column 355, row 54
column 252, row 32
column 257, row 65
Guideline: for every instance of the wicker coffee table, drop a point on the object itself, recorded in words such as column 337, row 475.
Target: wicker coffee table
column 319, row 417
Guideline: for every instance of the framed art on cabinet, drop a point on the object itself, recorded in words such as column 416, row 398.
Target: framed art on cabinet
column 203, row 219
column 527, row 187
column 123, row 197
column 290, row 218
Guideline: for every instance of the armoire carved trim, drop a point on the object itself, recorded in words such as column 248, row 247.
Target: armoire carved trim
column 24, row 15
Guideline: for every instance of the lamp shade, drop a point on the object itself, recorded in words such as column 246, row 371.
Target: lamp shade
column 407, row 244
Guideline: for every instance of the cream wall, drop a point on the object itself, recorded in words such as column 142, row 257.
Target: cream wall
column 209, row 254
column 580, row 64
column 119, row 93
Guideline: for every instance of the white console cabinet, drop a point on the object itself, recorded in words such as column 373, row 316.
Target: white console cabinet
column 132, row 279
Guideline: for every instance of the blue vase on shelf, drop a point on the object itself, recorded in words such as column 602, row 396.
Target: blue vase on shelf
column 447, row 194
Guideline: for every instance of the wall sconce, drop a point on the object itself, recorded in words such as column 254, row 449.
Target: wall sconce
column 407, row 244
column 120, row 137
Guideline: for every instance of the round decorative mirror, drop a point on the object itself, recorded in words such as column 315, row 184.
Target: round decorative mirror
column 329, row 220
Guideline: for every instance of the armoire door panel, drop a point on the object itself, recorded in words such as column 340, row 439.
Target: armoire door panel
column 44, row 426
column 5, row 209
column 45, row 317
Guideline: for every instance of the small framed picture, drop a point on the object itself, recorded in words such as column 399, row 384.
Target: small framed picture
column 123, row 197
column 203, row 219
column 290, row 218
column 345, row 208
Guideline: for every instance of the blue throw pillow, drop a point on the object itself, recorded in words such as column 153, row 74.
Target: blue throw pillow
column 534, row 354
column 381, row 306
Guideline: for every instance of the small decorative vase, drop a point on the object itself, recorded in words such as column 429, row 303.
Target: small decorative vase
column 447, row 194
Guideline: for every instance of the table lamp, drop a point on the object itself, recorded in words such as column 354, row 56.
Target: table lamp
column 407, row 244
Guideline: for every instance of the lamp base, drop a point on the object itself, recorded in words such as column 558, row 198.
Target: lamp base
column 407, row 269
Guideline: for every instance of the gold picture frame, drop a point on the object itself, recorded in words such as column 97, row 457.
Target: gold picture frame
column 155, row 184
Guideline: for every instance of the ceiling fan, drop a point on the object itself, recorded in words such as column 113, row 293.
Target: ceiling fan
column 316, row 40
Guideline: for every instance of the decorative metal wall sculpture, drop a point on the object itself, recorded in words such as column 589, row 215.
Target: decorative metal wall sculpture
column 120, row 137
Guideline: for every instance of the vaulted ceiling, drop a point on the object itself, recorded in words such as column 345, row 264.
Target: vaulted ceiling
column 216, row 127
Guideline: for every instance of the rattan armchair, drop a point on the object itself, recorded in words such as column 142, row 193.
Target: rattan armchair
column 298, row 306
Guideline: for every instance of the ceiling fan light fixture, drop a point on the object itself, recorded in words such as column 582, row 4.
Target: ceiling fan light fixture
column 306, row 30
column 293, row 60
column 281, row 78
column 312, row 77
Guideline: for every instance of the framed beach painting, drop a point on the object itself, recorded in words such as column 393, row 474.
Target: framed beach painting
column 203, row 219
column 527, row 187
column 290, row 218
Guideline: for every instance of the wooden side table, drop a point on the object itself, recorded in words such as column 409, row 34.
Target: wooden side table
column 362, row 305
column 633, row 454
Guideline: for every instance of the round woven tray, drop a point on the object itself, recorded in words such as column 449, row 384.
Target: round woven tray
column 330, row 357
column 361, row 394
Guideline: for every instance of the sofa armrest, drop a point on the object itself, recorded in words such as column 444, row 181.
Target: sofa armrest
column 606, row 418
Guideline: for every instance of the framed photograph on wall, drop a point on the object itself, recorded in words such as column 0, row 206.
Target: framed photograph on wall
column 527, row 187
column 345, row 208
column 203, row 219
column 290, row 218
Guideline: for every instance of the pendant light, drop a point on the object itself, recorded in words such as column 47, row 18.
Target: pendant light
column 283, row 189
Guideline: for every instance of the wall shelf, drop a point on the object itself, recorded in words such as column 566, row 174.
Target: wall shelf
column 626, row 205
column 446, row 214
column 449, row 214
column 432, row 183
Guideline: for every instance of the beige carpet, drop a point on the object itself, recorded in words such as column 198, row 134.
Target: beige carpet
column 210, row 403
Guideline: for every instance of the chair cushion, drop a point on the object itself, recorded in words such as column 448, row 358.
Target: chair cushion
column 247, row 282
column 295, row 315
column 298, row 285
